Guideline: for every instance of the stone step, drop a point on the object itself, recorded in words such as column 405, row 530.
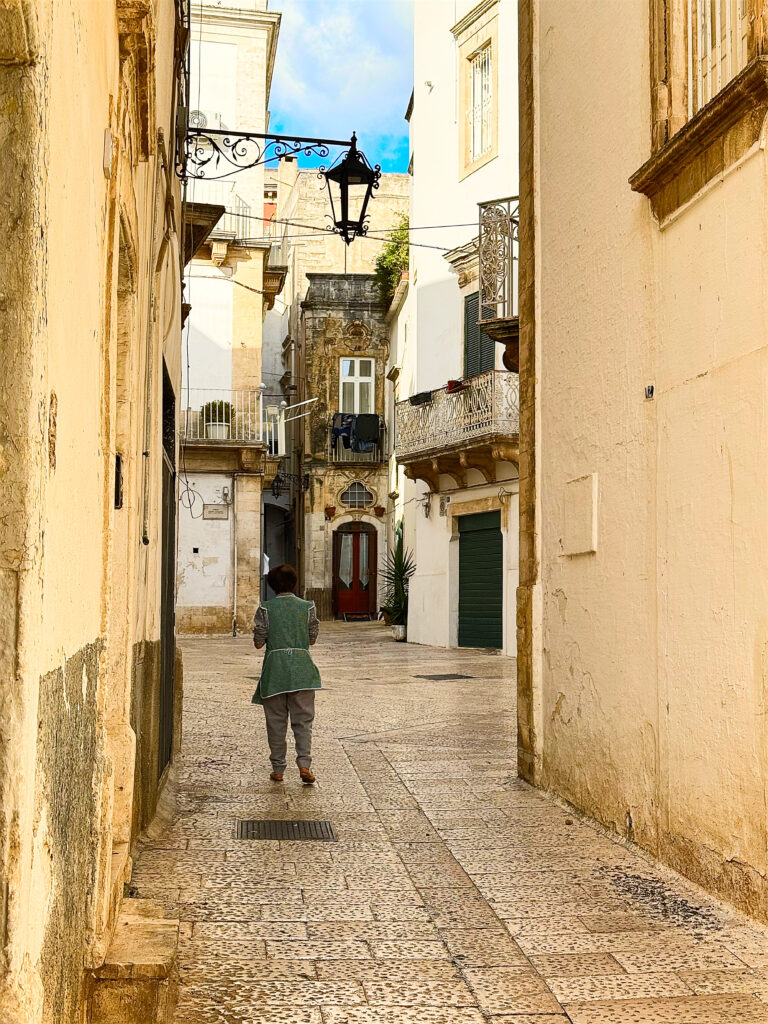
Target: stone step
column 138, row 981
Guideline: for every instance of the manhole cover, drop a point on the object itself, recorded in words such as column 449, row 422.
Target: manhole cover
column 445, row 675
column 320, row 831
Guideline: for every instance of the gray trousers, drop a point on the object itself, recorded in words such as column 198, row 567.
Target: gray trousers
column 301, row 708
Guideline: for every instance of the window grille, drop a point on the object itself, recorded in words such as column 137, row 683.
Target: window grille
column 357, row 495
column 717, row 47
column 480, row 104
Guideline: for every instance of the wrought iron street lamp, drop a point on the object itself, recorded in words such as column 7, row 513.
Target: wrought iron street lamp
column 351, row 181
column 213, row 153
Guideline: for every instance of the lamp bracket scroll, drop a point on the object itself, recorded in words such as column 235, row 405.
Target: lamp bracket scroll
column 213, row 153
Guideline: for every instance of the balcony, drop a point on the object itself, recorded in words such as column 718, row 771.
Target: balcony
column 373, row 450
column 498, row 261
column 217, row 418
column 473, row 426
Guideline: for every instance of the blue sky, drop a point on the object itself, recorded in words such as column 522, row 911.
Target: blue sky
column 344, row 66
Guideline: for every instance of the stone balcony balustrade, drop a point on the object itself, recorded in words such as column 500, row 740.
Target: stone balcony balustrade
column 473, row 426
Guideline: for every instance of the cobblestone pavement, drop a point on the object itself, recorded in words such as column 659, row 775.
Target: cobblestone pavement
column 455, row 894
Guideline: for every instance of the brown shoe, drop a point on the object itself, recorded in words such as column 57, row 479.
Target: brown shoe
column 307, row 777
column 276, row 776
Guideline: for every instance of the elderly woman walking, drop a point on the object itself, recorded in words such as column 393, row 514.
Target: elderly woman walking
column 288, row 626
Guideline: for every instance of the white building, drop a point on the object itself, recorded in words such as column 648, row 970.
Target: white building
column 454, row 480
column 229, row 414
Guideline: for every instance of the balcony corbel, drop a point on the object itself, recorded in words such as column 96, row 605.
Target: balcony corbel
column 506, row 453
column 424, row 471
column 478, row 459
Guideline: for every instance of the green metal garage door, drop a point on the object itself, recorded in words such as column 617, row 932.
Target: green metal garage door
column 481, row 578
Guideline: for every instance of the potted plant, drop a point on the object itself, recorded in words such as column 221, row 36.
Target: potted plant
column 217, row 419
column 397, row 574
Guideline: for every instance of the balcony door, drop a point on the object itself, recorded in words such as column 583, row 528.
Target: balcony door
column 354, row 569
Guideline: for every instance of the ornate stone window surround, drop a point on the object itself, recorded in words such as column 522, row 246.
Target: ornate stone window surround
column 475, row 33
column 689, row 148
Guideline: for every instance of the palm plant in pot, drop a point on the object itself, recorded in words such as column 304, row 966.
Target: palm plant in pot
column 397, row 574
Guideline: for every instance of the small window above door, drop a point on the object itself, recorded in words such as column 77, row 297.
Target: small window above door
column 357, row 495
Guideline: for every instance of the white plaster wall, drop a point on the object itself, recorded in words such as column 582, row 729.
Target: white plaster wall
column 205, row 578
column 207, row 366
column 434, row 351
column 438, row 196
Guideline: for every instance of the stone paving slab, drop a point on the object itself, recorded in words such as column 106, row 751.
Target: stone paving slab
column 455, row 894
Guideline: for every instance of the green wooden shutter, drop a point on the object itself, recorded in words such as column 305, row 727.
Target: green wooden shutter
column 479, row 351
column 471, row 336
column 481, row 581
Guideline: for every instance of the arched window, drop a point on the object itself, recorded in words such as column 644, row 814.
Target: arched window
column 357, row 495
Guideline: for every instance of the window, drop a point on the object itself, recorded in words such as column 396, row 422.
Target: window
column 357, row 495
column 477, row 69
column 718, row 36
column 357, row 381
column 708, row 96
column 481, row 96
column 479, row 350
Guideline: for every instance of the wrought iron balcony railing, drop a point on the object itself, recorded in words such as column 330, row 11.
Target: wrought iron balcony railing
column 236, row 223
column 339, row 452
column 485, row 408
column 498, row 259
column 232, row 417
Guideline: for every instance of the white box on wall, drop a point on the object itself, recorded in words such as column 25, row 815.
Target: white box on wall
column 580, row 516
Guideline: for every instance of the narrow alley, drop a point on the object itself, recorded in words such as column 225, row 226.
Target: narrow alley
column 455, row 893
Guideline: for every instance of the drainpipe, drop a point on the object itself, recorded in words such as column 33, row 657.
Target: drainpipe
column 234, row 531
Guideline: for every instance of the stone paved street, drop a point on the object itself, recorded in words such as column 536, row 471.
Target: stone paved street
column 455, row 895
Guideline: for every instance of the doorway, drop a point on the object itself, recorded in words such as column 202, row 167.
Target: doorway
column 481, row 581
column 354, row 570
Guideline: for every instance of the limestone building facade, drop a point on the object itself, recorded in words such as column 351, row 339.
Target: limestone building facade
column 90, row 373
column 643, row 361
column 344, row 350
column 308, row 357
column 453, row 474
column 230, row 418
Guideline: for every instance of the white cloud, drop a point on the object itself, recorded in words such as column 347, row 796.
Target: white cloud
column 343, row 66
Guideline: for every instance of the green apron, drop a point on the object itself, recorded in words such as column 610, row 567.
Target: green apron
column 288, row 666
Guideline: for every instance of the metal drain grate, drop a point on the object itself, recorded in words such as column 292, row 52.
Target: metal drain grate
column 445, row 675
column 271, row 828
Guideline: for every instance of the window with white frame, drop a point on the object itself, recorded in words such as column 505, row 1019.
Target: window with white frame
column 480, row 105
column 718, row 36
column 357, row 495
column 356, row 385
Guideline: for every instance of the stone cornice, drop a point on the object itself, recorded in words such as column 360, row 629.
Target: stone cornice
column 472, row 16
column 235, row 17
column 741, row 98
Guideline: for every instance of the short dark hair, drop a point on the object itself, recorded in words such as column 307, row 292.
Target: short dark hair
column 283, row 579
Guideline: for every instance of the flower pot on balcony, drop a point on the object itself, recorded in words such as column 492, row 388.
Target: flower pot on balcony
column 398, row 632
column 330, row 511
column 217, row 431
column 379, row 510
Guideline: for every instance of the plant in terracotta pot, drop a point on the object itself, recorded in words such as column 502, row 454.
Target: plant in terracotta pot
column 397, row 574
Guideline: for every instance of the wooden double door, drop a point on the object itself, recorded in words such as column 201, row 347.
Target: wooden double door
column 354, row 569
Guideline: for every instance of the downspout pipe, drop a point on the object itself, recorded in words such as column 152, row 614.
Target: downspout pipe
column 234, row 560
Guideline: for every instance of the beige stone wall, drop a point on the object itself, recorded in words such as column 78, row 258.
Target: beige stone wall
column 91, row 304
column 643, row 664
